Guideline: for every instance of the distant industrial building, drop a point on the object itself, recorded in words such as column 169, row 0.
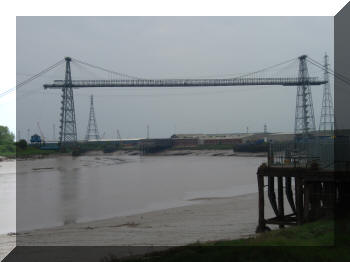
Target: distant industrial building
column 191, row 140
column 35, row 139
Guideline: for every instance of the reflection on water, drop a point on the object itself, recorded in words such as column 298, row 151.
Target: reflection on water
column 66, row 190
column 69, row 191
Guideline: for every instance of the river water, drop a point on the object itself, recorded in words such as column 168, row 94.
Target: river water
column 7, row 196
column 63, row 190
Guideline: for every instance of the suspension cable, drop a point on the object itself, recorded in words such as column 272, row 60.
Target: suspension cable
column 267, row 68
column 133, row 77
column 39, row 74
column 19, row 85
column 329, row 70
column 336, row 75
column 104, row 69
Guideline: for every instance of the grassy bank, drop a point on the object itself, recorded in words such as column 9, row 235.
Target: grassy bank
column 32, row 151
column 309, row 242
column 29, row 151
column 13, row 150
column 7, row 146
column 8, row 150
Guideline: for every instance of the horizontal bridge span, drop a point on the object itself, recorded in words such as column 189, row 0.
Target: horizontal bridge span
column 283, row 81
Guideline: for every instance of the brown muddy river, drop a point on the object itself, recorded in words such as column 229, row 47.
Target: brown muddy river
column 64, row 190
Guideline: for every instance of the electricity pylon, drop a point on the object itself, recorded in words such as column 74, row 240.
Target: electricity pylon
column 327, row 111
column 92, row 131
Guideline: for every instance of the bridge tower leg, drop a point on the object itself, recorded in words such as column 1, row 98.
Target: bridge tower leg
column 304, row 112
column 68, row 129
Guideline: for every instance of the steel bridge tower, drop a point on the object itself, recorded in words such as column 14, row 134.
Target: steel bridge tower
column 92, row 131
column 304, row 111
column 68, row 129
column 327, row 112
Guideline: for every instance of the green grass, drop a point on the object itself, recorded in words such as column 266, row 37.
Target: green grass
column 320, row 233
column 13, row 151
column 8, row 150
column 309, row 242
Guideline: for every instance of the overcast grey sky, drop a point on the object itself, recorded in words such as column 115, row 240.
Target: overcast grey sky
column 167, row 47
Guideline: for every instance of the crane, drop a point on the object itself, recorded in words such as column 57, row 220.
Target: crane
column 118, row 135
column 41, row 133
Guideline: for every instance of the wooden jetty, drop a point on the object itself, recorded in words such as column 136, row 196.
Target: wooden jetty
column 310, row 190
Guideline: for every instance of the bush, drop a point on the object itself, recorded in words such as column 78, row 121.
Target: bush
column 6, row 137
column 10, row 148
column 22, row 144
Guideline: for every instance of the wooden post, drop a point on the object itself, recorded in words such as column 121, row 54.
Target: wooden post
column 329, row 198
column 289, row 193
column 298, row 200
column 316, row 200
column 280, row 200
column 271, row 193
column 262, row 225
column 269, row 155
column 307, row 206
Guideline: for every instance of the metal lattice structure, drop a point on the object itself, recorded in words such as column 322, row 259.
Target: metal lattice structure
column 92, row 131
column 304, row 115
column 303, row 154
column 304, row 111
column 240, row 81
column 327, row 111
column 68, row 129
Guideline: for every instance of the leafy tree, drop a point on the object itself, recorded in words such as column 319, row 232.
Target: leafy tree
column 7, row 147
column 6, row 137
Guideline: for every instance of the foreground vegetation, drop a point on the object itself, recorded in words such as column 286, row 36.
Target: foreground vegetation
column 32, row 151
column 7, row 146
column 309, row 242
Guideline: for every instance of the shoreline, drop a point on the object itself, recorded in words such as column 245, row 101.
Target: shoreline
column 209, row 219
column 205, row 220
column 169, row 152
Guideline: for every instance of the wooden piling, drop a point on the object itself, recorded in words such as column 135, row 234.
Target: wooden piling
column 307, row 206
column 315, row 200
column 289, row 193
column 316, row 192
column 280, row 200
column 299, row 200
column 262, row 224
column 271, row 193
